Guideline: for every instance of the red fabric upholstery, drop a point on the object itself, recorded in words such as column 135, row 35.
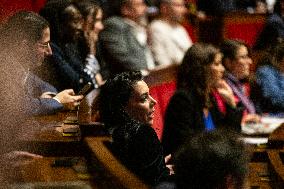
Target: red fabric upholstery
column 190, row 30
column 10, row 7
column 38, row 4
column 162, row 94
column 248, row 32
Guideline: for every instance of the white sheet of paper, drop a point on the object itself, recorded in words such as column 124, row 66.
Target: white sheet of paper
column 266, row 126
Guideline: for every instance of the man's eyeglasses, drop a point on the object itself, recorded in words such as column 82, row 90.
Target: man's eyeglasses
column 243, row 56
column 44, row 45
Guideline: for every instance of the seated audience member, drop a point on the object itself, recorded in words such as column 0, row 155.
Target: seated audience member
column 269, row 94
column 15, row 46
column 69, row 66
column 193, row 108
column 127, row 109
column 270, row 5
column 124, row 38
column 169, row 39
column 273, row 31
column 261, row 7
column 211, row 160
column 252, row 6
column 26, row 42
column 92, row 26
column 237, row 62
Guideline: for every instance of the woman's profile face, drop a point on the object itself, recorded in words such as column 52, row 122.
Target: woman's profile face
column 74, row 23
column 141, row 105
column 216, row 69
column 94, row 25
column 240, row 67
column 98, row 23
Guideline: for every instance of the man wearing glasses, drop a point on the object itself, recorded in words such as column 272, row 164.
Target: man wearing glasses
column 31, row 35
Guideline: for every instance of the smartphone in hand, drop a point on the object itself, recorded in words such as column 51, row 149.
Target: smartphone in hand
column 84, row 91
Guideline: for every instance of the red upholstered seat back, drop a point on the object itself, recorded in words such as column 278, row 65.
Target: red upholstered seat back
column 162, row 84
column 10, row 7
column 162, row 93
column 243, row 26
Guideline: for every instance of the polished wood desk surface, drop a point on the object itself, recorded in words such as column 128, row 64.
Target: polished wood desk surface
column 60, row 134
column 43, row 173
column 276, row 155
column 107, row 168
column 258, row 176
column 277, row 136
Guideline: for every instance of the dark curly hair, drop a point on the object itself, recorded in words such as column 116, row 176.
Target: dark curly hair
column 114, row 96
column 205, row 161
column 194, row 72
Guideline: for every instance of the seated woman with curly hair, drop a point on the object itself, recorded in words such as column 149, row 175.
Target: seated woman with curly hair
column 127, row 110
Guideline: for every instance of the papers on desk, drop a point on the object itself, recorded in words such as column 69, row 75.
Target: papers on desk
column 266, row 126
column 256, row 140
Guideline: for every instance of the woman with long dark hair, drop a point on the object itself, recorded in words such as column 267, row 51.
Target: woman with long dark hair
column 194, row 106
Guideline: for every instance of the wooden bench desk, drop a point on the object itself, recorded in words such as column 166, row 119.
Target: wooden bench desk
column 107, row 169
column 40, row 172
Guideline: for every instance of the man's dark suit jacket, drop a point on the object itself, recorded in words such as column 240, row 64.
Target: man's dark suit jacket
column 65, row 68
column 120, row 49
column 39, row 106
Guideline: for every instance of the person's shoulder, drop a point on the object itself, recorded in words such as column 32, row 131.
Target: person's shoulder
column 114, row 25
column 181, row 98
column 181, row 93
column 143, row 129
column 266, row 69
column 114, row 20
column 158, row 22
column 274, row 18
column 140, row 130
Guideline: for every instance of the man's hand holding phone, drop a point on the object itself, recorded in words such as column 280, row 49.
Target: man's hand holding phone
column 86, row 89
column 68, row 99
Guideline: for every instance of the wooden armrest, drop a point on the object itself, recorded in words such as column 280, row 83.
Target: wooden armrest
column 110, row 167
column 277, row 163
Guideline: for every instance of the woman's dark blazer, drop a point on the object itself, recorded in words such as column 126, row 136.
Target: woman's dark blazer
column 66, row 68
column 184, row 117
column 139, row 149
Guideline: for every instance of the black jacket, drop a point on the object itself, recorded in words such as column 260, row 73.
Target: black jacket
column 139, row 149
column 184, row 117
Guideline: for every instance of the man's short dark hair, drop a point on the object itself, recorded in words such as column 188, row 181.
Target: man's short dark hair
column 208, row 158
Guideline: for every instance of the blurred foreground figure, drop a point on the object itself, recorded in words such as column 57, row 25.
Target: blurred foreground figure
column 24, row 42
column 211, row 160
column 26, row 38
